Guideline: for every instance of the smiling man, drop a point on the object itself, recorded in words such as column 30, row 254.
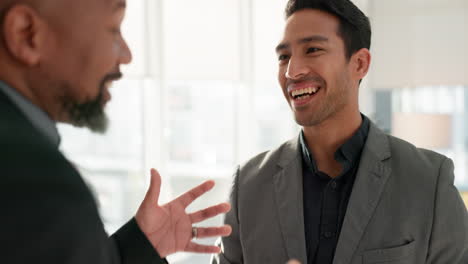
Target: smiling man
column 342, row 191
column 58, row 59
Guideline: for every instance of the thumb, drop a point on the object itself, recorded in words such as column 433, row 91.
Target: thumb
column 293, row 261
column 152, row 195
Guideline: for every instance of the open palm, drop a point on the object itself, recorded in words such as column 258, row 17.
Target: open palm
column 169, row 227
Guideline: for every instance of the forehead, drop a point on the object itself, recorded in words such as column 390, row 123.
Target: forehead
column 83, row 8
column 81, row 17
column 118, row 5
column 105, row 6
column 309, row 22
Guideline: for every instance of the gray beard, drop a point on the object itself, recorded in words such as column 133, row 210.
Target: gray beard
column 89, row 114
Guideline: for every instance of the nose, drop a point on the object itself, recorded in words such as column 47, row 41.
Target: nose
column 297, row 69
column 125, row 53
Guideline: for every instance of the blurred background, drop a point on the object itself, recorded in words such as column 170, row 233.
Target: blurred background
column 201, row 95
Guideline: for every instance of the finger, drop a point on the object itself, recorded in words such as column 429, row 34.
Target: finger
column 152, row 195
column 293, row 261
column 209, row 212
column 197, row 248
column 203, row 232
column 188, row 197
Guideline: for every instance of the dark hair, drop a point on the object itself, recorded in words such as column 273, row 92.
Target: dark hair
column 355, row 29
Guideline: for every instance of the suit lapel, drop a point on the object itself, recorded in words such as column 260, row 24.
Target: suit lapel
column 288, row 191
column 369, row 184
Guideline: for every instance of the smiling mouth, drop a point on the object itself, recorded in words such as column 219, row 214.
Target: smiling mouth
column 304, row 93
column 106, row 95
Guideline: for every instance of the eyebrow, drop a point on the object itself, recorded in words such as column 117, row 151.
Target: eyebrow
column 122, row 4
column 315, row 38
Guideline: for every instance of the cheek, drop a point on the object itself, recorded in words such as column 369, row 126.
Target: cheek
column 332, row 73
column 116, row 48
column 102, row 61
column 282, row 75
column 105, row 50
column 282, row 82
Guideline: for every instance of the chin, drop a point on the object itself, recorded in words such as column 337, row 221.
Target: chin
column 308, row 121
column 97, row 124
column 91, row 116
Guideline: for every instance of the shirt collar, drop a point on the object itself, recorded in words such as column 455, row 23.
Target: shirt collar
column 347, row 154
column 40, row 120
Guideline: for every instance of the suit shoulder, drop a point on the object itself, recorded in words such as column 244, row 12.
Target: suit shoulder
column 266, row 163
column 403, row 149
column 415, row 166
column 27, row 157
column 266, row 158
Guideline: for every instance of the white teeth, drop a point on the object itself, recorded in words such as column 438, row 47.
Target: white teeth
column 308, row 90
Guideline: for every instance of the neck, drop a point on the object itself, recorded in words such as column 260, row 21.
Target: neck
column 324, row 139
column 28, row 88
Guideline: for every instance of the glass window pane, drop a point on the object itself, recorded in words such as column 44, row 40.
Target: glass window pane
column 112, row 163
column 201, row 39
column 201, row 126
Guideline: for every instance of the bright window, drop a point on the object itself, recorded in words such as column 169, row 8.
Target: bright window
column 201, row 96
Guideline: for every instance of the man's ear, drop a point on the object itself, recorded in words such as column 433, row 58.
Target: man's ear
column 22, row 29
column 360, row 63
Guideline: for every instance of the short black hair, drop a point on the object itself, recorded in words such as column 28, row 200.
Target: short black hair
column 355, row 28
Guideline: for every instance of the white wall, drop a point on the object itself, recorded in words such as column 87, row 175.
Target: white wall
column 418, row 43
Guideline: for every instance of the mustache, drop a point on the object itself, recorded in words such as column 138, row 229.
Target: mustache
column 314, row 79
column 91, row 113
column 114, row 76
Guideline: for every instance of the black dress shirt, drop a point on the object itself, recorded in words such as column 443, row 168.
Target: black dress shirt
column 326, row 198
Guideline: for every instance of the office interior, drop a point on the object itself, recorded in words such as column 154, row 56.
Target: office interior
column 202, row 95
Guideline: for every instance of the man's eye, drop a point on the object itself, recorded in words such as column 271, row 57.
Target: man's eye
column 312, row 50
column 283, row 57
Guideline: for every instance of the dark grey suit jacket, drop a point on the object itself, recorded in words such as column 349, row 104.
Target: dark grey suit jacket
column 403, row 208
column 48, row 214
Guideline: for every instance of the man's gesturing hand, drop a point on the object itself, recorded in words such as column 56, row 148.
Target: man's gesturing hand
column 169, row 228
